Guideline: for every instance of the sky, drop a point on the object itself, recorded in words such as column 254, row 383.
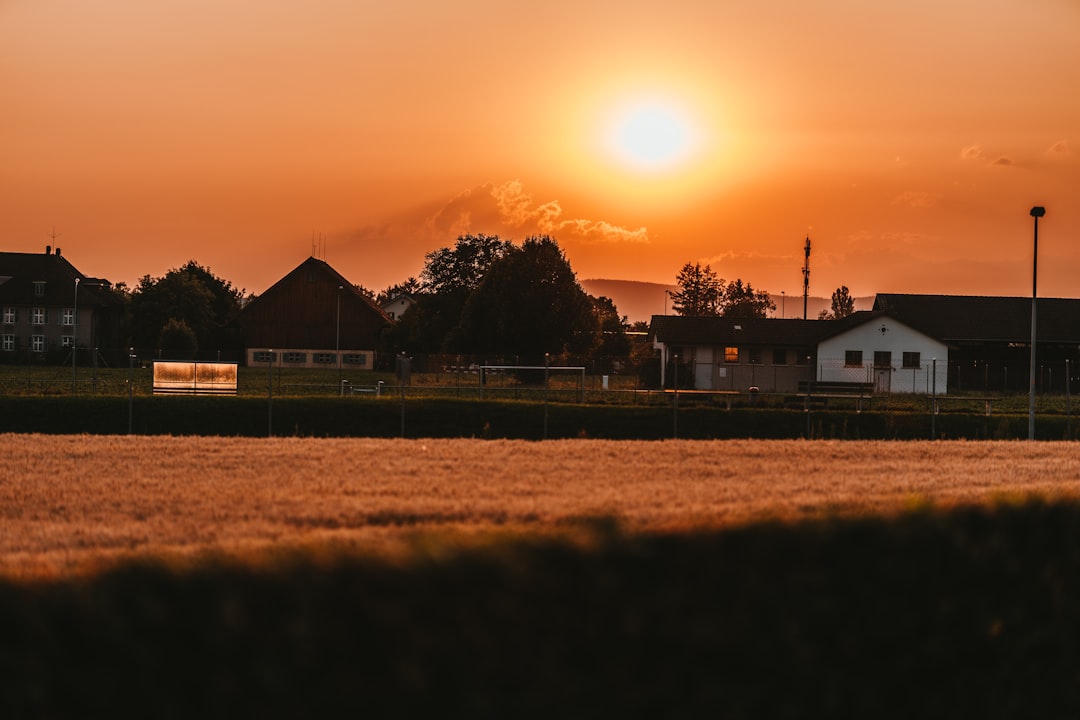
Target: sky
column 908, row 140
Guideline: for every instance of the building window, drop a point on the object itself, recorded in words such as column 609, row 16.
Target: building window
column 779, row 356
column 37, row 343
column 295, row 357
column 731, row 354
column 67, row 341
column 39, row 316
column 912, row 360
column 882, row 359
column 754, row 356
column 9, row 343
column 68, row 317
column 355, row 359
column 262, row 356
column 853, row 358
column 9, row 316
column 39, row 288
column 325, row 358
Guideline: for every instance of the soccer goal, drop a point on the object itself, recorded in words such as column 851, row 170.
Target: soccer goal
column 486, row 371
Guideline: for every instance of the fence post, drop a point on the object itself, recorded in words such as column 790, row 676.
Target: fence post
column 270, row 392
column 675, row 404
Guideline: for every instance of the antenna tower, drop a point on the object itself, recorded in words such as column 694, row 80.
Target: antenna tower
column 806, row 278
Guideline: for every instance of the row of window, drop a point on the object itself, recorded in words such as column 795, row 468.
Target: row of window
column 882, row 359
column 39, row 316
column 300, row 358
column 754, row 356
column 852, row 358
column 9, row 343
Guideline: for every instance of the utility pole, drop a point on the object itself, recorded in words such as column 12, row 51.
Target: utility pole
column 806, row 278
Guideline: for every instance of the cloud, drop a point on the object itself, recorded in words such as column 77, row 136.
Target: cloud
column 973, row 152
column 916, row 199
column 976, row 152
column 1060, row 149
column 506, row 209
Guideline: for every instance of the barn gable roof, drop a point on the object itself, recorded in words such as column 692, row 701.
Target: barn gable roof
column 321, row 267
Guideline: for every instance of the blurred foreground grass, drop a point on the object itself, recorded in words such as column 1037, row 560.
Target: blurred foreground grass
column 971, row 612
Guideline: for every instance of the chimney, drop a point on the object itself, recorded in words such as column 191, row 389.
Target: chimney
column 57, row 252
column 48, row 249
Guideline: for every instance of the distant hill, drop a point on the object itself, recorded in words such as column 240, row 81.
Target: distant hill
column 641, row 300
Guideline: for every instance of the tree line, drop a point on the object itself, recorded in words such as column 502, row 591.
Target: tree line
column 483, row 295
column 703, row 293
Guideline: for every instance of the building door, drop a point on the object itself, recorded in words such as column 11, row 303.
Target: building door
column 703, row 367
column 882, row 371
column 882, row 380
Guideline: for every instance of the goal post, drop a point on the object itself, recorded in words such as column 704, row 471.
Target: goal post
column 579, row 370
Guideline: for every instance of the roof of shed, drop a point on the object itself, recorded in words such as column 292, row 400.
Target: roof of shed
column 970, row 318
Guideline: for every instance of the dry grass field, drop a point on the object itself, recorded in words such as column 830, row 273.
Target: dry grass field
column 72, row 505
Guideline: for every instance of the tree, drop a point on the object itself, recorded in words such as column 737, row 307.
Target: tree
column 742, row 301
column 699, row 291
column 842, row 305
column 614, row 341
column 449, row 276
column 462, row 267
column 177, row 341
column 529, row 303
column 204, row 302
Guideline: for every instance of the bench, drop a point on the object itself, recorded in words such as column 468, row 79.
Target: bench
column 836, row 387
column 820, row 392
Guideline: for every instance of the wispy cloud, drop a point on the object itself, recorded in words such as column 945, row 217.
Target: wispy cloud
column 507, row 209
column 916, row 199
column 1060, row 149
column 973, row 152
column 977, row 153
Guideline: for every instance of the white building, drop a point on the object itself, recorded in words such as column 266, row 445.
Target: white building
column 881, row 350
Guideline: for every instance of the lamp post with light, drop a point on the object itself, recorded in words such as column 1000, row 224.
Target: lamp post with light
column 1036, row 212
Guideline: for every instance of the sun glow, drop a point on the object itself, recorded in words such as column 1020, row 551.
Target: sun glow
column 651, row 136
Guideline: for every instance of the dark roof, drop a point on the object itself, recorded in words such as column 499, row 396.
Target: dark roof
column 679, row 330
column 19, row 272
column 969, row 318
column 321, row 266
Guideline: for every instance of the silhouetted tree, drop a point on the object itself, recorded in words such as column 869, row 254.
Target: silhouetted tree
column 699, row 291
column 205, row 303
column 529, row 303
column 742, row 301
column 449, row 276
column 842, row 305
column 177, row 341
column 613, row 339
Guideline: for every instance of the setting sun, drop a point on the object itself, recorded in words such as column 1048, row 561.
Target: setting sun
column 652, row 136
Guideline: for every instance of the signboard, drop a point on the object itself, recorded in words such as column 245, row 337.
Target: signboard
column 194, row 378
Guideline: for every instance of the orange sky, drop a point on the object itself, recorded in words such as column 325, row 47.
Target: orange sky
column 909, row 139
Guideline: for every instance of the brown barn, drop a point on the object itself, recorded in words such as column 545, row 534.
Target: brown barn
column 313, row 317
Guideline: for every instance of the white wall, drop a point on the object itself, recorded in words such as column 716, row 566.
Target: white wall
column 897, row 338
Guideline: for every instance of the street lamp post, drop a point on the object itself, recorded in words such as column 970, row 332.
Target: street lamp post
column 74, row 334
column 1036, row 212
column 337, row 340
